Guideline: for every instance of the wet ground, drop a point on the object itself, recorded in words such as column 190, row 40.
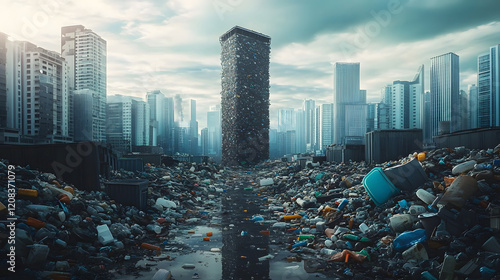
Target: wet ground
column 239, row 247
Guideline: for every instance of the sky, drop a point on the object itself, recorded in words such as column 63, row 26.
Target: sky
column 173, row 45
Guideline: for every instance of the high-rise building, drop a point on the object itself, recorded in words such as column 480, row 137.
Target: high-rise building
column 214, row 132
column 193, row 128
column 488, row 88
column 245, row 96
column 300, row 131
column 309, row 108
column 444, row 79
column 85, row 53
column 286, row 119
column 140, row 123
column 317, row 129
column 382, row 116
column 204, row 141
column 119, row 123
column 405, row 100
column 327, row 125
column 473, row 112
column 370, row 116
column 162, row 120
column 35, row 101
column 427, row 125
column 349, row 105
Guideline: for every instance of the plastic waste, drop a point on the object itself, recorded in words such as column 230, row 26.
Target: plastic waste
column 459, row 191
column 409, row 238
column 162, row 274
column 346, row 256
column 463, row 167
column 188, row 266
column 266, row 257
column 401, row 222
column 416, row 210
column 165, row 203
column 416, row 252
column 291, row 217
column 38, row 255
column 150, row 247
column 447, row 268
column 27, row 192
column 35, row 223
column 305, row 237
column 104, row 234
column 425, row 196
column 491, row 245
column 266, row 182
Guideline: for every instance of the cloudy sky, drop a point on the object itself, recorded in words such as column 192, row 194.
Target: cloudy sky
column 173, row 45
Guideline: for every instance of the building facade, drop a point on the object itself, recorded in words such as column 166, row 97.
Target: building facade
column 349, row 105
column 245, row 96
column 85, row 53
column 488, row 88
column 444, row 79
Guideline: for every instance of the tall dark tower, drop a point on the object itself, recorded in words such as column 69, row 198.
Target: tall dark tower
column 245, row 96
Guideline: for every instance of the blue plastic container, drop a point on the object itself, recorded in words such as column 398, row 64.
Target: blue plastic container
column 379, row 187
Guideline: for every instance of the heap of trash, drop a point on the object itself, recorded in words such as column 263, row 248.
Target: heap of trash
column 430, row 215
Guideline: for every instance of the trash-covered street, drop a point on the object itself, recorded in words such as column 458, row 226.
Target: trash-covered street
column 430, row 215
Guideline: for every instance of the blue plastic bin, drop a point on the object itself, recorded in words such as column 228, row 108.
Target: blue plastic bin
column 379, row 187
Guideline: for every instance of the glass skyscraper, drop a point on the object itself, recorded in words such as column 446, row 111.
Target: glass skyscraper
column 349, row 105
column 488, row 88
column 85, row 53
column 444, row 79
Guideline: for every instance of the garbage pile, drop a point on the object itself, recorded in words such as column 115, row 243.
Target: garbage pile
column 64, row 233
column 432, row 215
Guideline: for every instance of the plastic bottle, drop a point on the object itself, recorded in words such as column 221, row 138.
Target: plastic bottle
column 401, row 222
column 409, row 238
column 27, row 192
column 305, row 237
column 290, row 217
column 40, row 208
column 327, row 252
column 342, row 204
column 463, row 167
column 298, row 244
column 150, row 247
column 425, row 196
column 416, row 210
column 35, row 223
column 266, row 257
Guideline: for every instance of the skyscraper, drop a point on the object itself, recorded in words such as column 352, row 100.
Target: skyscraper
column 300, row 131
column 34, row 93
column 214, row 132
column 349, row 105
column 162, row 120
column 193, row 128
column 444, row 79
column 310, row 124
column 119, row 123
column 327, row 126
column 286, row 119
column 245, row 96
column 140, row 123
column 488, row 88
column 85, row 53
column 406, row 102
column 473, row 112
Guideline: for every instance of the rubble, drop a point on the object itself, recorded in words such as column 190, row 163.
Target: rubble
column 332, row 219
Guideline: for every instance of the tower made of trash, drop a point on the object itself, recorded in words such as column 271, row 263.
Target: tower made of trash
column 245, row 96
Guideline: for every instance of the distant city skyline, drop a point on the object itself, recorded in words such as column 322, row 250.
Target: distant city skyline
column 173, row 45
